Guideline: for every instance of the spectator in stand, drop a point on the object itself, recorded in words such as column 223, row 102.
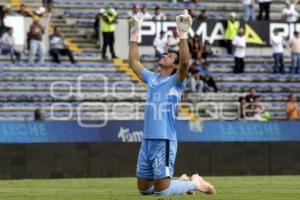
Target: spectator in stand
column 59, row 47
column 250, row 102
column 196, row 85
column 239, row 44
column 8, row 46
column 36, row 32
column 289, row 13
column 160, row 45
column 192, row 14
column 202, row 15
column 243, row 104
column 209, row 83
column 195, row 46
column 38, row 115
column 294, row 45
column 277, row 46
column 249, row 10
column 264, row 7
column 250, row 97
column 206, row 50
column 231, row 29
column 159, row 15
column 108, row 28
column 292, row 110
column 134, row 11
column 147, row 15
column 173, row 42
column 23, row 10
column 258, row 109
column 97, row 24
column 48, row 4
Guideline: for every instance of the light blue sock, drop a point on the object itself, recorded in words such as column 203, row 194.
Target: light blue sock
column 148, row 191
column 177, row 188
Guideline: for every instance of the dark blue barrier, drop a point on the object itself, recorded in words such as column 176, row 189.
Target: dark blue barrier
column 132, row 131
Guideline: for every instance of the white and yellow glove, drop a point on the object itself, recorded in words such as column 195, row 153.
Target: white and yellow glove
column 184, row 23
column 135, row 24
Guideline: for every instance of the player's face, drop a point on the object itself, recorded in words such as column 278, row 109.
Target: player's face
column 167, row 61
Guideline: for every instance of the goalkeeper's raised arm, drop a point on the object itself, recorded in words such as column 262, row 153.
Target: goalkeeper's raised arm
column 184, row 23
column 135, row 23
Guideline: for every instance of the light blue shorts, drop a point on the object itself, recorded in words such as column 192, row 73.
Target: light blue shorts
column 156, row 159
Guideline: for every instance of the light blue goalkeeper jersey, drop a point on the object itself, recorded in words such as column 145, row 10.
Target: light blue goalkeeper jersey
column 163, row 96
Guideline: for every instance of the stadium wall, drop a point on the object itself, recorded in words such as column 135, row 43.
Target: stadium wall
column 77, row 160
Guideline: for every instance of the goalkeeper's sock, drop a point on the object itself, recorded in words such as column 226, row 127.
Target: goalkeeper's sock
column 178, row 188
column 148, row 191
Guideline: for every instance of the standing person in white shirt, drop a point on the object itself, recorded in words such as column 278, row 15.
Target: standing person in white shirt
column 239, row 44
column 173, row 42
column 160, row 45
column 289, row 13
column 264, row 7
column 277, row 47
column 249, row 10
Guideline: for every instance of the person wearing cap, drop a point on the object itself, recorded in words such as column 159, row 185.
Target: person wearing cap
column 264, row 7
column 232, row 27
column 36, row 32
column 160, row 45
column 277, row 47
column 108, row 26
column 96, row 26
column 249, row 10
column 40, row 11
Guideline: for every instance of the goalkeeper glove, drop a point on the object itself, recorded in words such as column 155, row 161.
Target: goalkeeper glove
column 184, row 22
column 135, row 24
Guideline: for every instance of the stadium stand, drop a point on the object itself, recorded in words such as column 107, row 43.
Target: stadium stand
column 25, row 88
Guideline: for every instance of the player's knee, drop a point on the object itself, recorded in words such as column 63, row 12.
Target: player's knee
column 146, row 191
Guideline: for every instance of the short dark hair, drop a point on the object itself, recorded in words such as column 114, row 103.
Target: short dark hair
column 296, row 33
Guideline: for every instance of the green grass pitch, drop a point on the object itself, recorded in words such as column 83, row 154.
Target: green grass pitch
column 228, row 188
